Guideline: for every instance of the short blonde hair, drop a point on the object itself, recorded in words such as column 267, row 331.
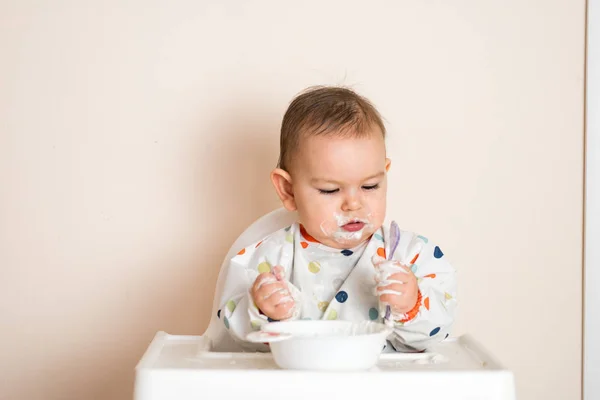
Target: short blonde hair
column 324, row 110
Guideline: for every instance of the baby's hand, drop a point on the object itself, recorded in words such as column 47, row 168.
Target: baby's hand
column 396, row 285
column 271, row 295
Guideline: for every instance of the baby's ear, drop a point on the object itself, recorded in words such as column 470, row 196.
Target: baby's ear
column 282, row 181
column 388, row 164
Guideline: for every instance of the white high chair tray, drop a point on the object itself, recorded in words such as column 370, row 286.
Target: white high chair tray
column 459, row 368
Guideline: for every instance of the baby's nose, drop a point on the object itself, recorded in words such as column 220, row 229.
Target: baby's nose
column 352, row 203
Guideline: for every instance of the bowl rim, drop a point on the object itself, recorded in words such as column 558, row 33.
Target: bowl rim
column 276, row 327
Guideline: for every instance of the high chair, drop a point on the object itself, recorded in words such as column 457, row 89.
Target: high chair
column 213, row 366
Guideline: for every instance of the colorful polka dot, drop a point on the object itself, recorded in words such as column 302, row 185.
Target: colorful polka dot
column 323, row 305
column 289, row 238
column 271, row 319
column 258, row 244
column 288, row 228
column 226, row 322
column 378, row 237
column 255, row 325
column 341, row 296
column 231, row 305
column 414, row 260
column 434, row 332
column 242, row 251
column 414, row 268
column 373, row 314
column 332, row 314
column 437, row 252
column 219, row 314
column 304, row 245
column 381, row 252
column 448, row 296
column 347, row 252
column 314, row 267
column 423, row 238
column 447, row 334
column 432, row 276
column 426, row 302
column 264, row 267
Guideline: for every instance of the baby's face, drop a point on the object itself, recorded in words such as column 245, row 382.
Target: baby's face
column 340, row 186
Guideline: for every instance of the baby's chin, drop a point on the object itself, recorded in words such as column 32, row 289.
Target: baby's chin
column 346, row 241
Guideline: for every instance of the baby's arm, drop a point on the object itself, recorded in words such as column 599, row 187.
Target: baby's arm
column 431, row 318
column 251, row 272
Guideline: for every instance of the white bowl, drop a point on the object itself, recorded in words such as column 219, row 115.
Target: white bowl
column 324, row 345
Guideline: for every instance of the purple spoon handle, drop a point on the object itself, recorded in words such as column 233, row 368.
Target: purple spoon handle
column 394, row 240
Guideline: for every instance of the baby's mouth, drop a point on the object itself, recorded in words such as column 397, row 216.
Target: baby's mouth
column 353, row 226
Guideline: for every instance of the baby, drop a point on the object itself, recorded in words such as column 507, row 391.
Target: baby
column 337, row 261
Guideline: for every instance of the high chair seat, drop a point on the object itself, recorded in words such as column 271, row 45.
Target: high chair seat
column 217, row 337
column 212, row 366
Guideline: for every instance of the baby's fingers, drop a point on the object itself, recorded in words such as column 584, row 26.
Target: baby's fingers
column 283, row 310
column 269, row 289
column 262, row 279
column 279, row 272
column 400, row 276
column 395, row 289
column 278, row 296
column 277, row 306
column 391, row 299
column 377, row 260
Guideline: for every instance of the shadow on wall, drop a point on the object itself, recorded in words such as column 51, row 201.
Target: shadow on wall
column 233, row 187
column 229, row 187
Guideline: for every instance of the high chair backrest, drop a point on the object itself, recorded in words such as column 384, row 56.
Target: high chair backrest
column 218, row 338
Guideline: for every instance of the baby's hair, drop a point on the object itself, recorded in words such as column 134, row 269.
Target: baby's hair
column 323, row 110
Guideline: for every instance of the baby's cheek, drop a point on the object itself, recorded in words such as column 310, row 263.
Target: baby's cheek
column 312, row 224
column 376, row 222
column 318, row 219
column 314, row 211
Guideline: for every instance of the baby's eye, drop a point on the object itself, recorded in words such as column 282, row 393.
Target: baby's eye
column 371, row 187
column 332, row 191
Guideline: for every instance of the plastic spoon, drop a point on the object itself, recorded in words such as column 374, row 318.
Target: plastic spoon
column 394, row 240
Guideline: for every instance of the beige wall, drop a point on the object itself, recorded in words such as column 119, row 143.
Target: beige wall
column 136, row 139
